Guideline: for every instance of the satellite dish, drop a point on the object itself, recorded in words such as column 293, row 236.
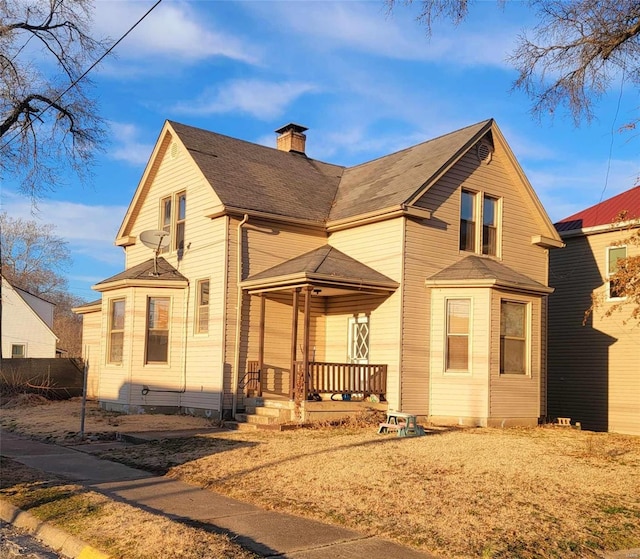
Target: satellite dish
column 155, row 239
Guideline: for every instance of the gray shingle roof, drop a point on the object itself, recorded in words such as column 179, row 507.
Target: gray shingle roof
column 259, row 178
column 145, row 271
column 254, row 177
column 325, row 261
column 478, row 268
column 395, row 178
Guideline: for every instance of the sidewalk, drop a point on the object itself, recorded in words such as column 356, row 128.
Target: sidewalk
column 267, row 533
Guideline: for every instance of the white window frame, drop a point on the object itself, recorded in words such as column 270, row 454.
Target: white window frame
column 173, row 222
column 111, row 330
column 469, row 334
column 355, row 324
column 527, row 337
column 200, row 307
column 148, row 329
column 609, row 273
column 24, row 351
column 478, row 212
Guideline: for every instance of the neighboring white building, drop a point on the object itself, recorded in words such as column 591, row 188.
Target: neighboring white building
column 26, row 324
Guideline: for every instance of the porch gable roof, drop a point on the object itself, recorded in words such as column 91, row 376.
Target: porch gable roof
column 476, row 271
column 323, row 266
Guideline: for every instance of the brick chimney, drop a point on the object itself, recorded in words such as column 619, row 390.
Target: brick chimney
column 291, row 137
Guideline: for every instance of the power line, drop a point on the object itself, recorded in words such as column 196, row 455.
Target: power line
column 75, row 82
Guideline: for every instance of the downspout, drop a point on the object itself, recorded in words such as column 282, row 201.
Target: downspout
column 236, row 364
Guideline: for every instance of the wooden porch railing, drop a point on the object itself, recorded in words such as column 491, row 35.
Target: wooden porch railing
column 251, row 379
column 344, row 378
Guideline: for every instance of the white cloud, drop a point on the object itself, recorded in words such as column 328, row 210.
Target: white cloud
column 172, row 29
column 258, row 98
column 127, row 147
column 89, row 230
column 354, row 25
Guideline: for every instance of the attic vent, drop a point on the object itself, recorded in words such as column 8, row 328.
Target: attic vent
column 173, row 150
column 484, row 152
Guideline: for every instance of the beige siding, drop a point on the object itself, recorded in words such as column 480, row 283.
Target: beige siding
column 593, row 369
column 460, row 396
column 380, row 247
column 432, row 245
column 516, row 396
column 91, row 340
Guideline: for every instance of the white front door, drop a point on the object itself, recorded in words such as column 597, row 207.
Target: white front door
column 359, row 340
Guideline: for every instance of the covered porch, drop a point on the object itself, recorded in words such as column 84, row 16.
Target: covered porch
column 321, row 301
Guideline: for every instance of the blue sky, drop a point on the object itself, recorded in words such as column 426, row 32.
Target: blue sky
column 364, row 82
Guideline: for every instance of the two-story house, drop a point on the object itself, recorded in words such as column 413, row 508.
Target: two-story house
column 594, row 364
column 416, row 281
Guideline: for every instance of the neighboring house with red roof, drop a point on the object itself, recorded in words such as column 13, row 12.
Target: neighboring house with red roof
column 594, row 370
column 288, row 288
column 27, row 322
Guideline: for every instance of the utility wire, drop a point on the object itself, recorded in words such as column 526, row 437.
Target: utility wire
column 75, row 82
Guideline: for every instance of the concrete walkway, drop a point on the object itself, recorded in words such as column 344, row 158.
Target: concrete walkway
column 267, row 533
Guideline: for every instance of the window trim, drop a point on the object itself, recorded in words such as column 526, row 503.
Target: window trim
column 199, row 307
column 478, row 214
column 174, row 219
column 469, row 336
column 609, row 273
column 24, row 351
column 527, row 338
column 111, row 330
column 147, row 361
column 353, row 334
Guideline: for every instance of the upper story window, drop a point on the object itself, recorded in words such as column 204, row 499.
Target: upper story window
column 173, row 211
column 458, row 326
column 157, row 330
column 614, row 255
column 116, row 331
column 202, row 310
column 479, row 223
column 468, row 221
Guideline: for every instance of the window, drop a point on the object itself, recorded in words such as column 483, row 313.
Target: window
column 18, row 351
column 614, row 255
column 468, row 221
column 173, row 210
column 457, row 351
column 180, row 219
column 489, row 226
column 359, row 340
column 479, row 219
column 158, row 330
column 202, row 311
column 513, row 338
column 116, row 331
column 165, row 218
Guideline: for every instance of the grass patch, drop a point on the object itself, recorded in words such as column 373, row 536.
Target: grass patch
column 498, row 493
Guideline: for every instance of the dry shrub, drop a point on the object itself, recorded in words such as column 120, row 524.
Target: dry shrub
column 24, row 400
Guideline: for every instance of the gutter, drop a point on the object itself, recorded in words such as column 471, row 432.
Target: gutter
column 236, row 367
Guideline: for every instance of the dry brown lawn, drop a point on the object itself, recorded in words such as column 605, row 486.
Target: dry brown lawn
column 112, row 526
column 501, row 493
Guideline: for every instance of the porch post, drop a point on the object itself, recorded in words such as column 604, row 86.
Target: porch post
column 261, row 344
column 307, row 335
column 294, row 343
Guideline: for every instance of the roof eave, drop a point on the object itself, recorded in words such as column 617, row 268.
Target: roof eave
column 491, row 283
column 235, row 211
column 303, row 279
column 137, row 282
column 599, row 228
